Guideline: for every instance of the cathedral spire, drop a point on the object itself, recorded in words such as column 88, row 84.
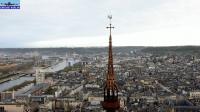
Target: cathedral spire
column 110, row 74
column 111, row 102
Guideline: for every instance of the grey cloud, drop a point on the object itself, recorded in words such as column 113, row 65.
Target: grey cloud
column 57, row 19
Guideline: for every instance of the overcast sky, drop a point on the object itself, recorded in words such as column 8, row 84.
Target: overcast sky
column 77, row 23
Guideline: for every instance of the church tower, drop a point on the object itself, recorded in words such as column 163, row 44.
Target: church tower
column 111, row 102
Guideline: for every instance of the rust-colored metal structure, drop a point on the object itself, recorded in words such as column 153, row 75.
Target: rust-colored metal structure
column 111, row 102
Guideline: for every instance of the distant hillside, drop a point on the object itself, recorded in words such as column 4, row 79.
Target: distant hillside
column 173, row 49
column 95, row 50
column 63, row 51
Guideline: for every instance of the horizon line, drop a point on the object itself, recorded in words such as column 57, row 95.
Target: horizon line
column 95, row 47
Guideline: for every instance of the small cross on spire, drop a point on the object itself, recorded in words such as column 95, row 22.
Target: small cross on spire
column 110, row 27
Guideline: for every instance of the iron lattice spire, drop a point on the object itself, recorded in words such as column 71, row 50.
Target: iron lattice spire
column 111, row 102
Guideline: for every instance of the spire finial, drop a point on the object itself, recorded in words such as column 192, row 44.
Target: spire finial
column 110, row 17
column 110, row 27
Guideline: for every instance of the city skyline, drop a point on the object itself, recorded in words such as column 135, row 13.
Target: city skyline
column 82, row 23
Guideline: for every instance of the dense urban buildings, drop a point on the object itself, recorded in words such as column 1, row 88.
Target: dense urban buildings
column 149, row 79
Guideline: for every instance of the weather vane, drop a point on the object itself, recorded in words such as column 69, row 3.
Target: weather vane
column 110, row 17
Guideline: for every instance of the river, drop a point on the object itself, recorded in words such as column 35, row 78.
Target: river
column 61, row 65
column 54, row 68
column 11, row 83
